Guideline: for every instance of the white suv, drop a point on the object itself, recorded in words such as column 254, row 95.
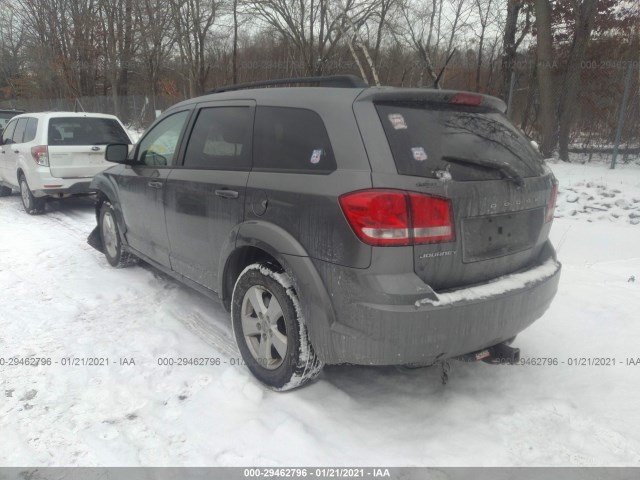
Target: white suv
column 55, row 154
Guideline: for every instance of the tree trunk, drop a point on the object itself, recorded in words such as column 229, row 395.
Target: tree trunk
column 585, row 17
column 546, row 117
column 508, row 45
column 235, row 42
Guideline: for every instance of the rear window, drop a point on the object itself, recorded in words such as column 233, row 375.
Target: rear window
column 427, row 140
column 85, row 131
column 291, row 140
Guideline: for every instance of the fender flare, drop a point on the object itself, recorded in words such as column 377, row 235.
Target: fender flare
column 105, row 188
column 315, row 301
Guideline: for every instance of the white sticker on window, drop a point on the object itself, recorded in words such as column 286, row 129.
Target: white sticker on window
column 419, row 154
column 315, row 156
column 397, row 121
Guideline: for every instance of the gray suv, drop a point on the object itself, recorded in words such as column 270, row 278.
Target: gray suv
column 341, row 223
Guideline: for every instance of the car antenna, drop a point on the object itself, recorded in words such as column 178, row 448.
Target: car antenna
column 436, row 82
column 76, row 104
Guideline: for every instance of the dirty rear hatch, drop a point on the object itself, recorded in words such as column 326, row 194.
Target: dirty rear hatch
column 496, row 181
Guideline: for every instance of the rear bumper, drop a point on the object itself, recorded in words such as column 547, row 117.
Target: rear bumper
column 427, row 328
column 79, row 188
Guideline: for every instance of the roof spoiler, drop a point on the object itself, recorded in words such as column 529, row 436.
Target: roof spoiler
column 431, row 95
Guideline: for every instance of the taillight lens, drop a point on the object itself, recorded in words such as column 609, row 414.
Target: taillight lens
column 466, row 99
column 393, row 217
column 40, row 155
column 431, row 216
column 551, row 204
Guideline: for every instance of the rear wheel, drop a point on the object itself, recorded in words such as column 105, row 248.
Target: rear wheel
column 32, row 205
column 5, row 191
column 112, row 246
column 270, row 330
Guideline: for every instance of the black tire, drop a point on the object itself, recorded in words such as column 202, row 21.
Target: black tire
column 279, row 372
column 5, row 191
column 32, row 205
column 112, row 247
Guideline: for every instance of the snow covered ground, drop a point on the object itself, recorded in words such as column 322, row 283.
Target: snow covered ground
column 60, row 299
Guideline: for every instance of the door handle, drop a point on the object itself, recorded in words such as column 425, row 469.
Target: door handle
column 227, row 193
column 155, row 184
column 16, row 151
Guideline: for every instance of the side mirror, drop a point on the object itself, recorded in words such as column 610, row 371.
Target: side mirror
column 117, row 153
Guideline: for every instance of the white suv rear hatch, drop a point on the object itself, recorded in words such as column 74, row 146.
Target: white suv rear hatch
column 77, row 144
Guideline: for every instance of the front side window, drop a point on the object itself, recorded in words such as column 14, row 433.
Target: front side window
column 291, row 140
column 221, row 139
column 73, row 131
column 158, row 147
column 7, row 135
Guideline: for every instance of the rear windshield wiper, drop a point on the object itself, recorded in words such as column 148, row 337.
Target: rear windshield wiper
column 506, row 170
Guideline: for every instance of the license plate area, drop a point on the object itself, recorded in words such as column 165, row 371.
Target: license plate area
column 495, row 236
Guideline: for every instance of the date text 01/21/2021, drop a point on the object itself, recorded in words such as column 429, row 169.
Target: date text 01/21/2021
column 16, row 361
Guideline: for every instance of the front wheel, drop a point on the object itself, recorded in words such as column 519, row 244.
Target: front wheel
column 112, row 246
column 32, row 205
column 270, row 329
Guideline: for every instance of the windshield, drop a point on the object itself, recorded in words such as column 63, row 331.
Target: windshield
column 5, row 117
column 426, row 139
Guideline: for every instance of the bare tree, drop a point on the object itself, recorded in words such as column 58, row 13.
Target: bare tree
column 156, row 39
column 485, row 16
column 308, row 24
column 585, row 14
column 193, row 20
column 546, row 116
column 514, row 34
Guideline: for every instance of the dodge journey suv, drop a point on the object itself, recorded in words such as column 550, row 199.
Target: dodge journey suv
column 341, row 223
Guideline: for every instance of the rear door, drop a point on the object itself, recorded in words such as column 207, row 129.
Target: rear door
column 77, row 144
column 205, row 196
column 496, row 183
column 141, row 186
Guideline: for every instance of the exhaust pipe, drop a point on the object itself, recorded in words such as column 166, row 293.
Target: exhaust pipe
column 500, row 354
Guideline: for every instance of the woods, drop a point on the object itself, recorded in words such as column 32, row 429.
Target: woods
column 562, row 60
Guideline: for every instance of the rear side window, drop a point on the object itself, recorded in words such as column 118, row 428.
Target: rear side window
column 427, row 139
column 85, row 131
column 20, row 128
column 292, row 140
column 221, row 139
column 30, row 130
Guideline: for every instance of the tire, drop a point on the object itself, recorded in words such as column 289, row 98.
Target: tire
column 5, row 191
column 273, row 341
column 112, row 246
column 32, row 205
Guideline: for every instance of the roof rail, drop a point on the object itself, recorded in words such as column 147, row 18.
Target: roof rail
column 335, row 81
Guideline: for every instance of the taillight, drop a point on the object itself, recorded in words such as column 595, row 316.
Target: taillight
column 40, row 155
column 431, row 217
column 394, row 217
column 551, row 204
column 466, row 99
